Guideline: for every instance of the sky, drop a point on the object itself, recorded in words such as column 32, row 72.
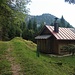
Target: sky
column 54, row 7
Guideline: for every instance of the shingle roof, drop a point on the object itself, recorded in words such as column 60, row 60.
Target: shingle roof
column 63, row 34
column 42, row 37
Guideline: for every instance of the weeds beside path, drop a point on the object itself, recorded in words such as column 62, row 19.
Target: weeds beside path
column 15, row 67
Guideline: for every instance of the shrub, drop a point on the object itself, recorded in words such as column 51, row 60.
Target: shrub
column 70, row 48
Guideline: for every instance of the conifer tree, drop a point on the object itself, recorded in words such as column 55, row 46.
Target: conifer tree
column 29, row 26
column 34, row 25
column 62, row 22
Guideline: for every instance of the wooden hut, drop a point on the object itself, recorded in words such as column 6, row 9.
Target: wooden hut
column 52, row 38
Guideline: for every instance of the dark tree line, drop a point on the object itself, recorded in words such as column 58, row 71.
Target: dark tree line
column 30, row 30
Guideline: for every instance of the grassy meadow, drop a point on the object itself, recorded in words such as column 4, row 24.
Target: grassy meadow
column 24, row 53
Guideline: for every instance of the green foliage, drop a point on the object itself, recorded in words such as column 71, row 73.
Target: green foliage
column 5, row 17
column 11, row 21
column 21, row 5
column 30, row 31
column 3, row 1
column 23, row 26
column 70, row 48
column 12, row 31
column 28, row 34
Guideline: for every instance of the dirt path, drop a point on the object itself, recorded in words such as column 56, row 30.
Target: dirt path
column 15, row 67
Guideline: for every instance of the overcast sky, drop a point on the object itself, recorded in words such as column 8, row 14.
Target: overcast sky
column 54, row 7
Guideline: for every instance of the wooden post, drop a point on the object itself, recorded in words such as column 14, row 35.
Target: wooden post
column 37, row 52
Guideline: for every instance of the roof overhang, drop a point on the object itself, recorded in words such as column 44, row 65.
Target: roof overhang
column 43, row 37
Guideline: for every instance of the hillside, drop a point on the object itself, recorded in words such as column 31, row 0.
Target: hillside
column 22, row 54
column 47, row 18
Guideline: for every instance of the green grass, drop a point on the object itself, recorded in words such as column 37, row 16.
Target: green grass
column 4, row 64
column 24, row 53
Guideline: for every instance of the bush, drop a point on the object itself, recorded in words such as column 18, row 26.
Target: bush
column 70, row 48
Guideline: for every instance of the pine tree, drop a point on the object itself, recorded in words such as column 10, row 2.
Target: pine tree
column 62, row 22
column 35, row 25
column 29, row 24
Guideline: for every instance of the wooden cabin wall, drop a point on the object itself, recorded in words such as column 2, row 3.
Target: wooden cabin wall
column 41, row 45
column 47, row 49
column 45, row 45
column 49, row 45
column 55, row 46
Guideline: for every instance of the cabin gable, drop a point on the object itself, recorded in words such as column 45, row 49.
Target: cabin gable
column 45, row 31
